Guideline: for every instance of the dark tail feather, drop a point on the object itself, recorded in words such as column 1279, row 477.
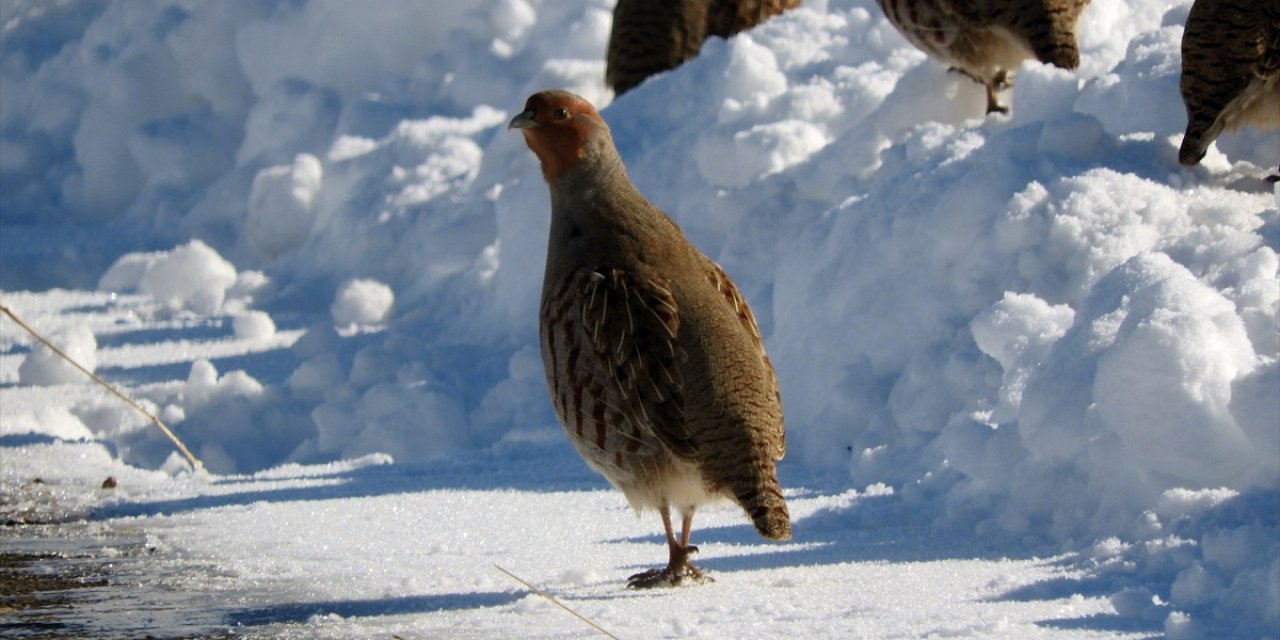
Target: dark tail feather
column 1060, row 49
column 1192, row 150
column 768, row 511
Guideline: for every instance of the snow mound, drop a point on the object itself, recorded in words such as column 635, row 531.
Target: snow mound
column 280, row 205
column 253, row 325
column 43, row 366
column 192, row 276
column 361, row 301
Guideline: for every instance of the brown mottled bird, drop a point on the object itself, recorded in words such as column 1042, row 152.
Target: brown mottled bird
column 654, row 361
column 652, row 36
column 987, row 39
column 1230, row 70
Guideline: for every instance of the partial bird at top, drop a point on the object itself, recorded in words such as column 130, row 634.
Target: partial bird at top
column 987, row 39
column 652, row 36
column 1230, row 70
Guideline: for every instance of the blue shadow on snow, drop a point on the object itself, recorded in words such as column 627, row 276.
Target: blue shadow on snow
column 298, row 612
column 525, row 466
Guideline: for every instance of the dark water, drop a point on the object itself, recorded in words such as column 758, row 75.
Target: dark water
column 86, row 580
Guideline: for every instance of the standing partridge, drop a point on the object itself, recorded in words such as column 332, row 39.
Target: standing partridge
column 652, row 36
column 1230, row 70
column 987, row 39
column 654, row 361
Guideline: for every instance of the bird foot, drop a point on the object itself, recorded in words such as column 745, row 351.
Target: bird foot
column 669, row 577
column 677, row 572
column 1001, row 81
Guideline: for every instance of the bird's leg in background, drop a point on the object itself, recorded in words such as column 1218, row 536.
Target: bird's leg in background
column 679, row 550
column 993, row 103
column 686, row 529
column 1000, row 82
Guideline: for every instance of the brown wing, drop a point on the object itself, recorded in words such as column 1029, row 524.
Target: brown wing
column 777, row 437
column 632, row 322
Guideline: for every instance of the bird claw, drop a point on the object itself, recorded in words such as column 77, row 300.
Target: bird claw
column 675, row 574
column 669, row 577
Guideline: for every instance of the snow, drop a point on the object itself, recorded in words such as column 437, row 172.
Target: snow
column 253, row 325
column 1030, row 364
column 45, row 367
column 361, row 301
column 280, row 205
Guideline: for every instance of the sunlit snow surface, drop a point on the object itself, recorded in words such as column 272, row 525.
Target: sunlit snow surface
column 1030, row 365
column 363, row 549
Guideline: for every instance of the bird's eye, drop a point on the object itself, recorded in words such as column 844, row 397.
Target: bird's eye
column 562, row 113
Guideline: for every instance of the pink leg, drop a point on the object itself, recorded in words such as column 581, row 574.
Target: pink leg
column 678, row 566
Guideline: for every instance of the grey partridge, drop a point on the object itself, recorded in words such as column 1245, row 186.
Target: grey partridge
column 1230, row 70
column 652, row 36
column 654, row 361
column 987, row 39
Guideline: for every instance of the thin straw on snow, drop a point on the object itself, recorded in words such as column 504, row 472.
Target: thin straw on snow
column 195, row 462
column 556, row 602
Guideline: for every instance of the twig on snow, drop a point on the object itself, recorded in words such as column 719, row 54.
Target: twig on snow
column 557, row 603
column 195, row 462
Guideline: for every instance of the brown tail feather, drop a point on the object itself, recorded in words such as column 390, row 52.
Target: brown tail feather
column 768, row 510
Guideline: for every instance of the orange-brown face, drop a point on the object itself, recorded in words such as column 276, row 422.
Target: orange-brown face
column 556, row 125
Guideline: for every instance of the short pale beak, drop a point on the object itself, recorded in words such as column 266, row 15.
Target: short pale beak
column 523, row 120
